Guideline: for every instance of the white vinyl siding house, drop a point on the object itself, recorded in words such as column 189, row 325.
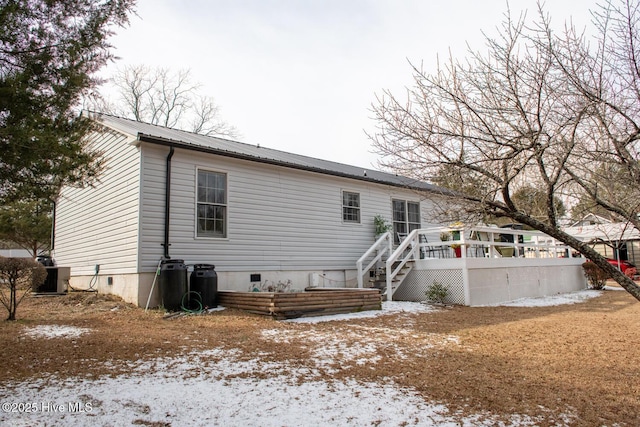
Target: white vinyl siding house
column 100, row 224
column 278, row 219
column 247, row 210
column 97, row 228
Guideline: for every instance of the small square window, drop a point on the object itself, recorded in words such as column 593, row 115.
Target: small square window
column 350, row 207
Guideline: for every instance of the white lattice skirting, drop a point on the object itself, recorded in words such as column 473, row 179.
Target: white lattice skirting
column 415, row 286
column 494, row 281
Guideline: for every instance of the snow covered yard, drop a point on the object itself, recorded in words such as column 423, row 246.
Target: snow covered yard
column 216, row 388
column 346, row 375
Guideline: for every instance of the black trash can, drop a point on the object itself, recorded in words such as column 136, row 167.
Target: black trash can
column 172, row 283
column 204, row 286
column 50, row 284
column 46, row 260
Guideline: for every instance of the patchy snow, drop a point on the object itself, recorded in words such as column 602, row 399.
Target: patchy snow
column 55, row 331
column 559, row 299
column 391, row 307
column 330, row 349
column 215, row 388
column 220, row 387
column 388, row 307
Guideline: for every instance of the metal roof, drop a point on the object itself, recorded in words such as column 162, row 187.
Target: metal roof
column 608, row 232
column 191, row 141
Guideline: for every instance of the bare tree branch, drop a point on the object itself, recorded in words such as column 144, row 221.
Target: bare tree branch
column 535, row 110
column 160, row 96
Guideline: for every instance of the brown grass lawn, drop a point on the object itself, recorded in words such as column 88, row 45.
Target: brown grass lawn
column 580, row 359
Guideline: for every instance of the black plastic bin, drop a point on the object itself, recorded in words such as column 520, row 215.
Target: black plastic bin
column 46, row 260
column 50, row 284
column 172, row 283
column 203, row 286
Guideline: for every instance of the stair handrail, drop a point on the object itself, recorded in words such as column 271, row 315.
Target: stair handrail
column 383, row 245
column 410, row 240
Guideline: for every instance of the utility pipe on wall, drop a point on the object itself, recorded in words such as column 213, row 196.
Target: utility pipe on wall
column 167, row 203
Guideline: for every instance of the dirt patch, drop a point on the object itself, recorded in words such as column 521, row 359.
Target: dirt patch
column 564, row 365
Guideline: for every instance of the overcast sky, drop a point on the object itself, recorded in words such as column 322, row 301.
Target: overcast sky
column 300, row 76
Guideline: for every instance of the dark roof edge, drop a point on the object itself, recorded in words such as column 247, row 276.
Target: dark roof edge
column 184, row 145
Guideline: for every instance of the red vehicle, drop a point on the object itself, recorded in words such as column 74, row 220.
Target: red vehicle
column 621, row 265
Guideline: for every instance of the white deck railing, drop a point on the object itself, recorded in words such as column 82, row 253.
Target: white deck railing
column 490, row 242
column 375, row 254
column 475, row 242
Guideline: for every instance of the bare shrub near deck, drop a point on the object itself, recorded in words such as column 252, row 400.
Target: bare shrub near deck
column 18, row 276
column 596, row 276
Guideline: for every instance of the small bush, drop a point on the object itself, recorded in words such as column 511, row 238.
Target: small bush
column 18, row 276
column 381, row 225
column 437, row 292
column 596, row 277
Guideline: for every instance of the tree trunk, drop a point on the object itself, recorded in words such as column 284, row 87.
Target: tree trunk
column 12, row 303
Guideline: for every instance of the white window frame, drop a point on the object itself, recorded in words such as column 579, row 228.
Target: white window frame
column 214, row 203
column 403, row 226
column 348, row 207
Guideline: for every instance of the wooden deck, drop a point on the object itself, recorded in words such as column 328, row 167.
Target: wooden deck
column 312, row 302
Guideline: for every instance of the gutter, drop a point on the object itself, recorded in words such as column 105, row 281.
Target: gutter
column 167, row 203
column 52, row 244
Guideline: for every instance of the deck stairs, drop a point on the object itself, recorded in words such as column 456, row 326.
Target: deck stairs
column 385, row 266
column 378, row 278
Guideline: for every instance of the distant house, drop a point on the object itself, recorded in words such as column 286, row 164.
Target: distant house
column 255, row 213
column 614, row 240
column 15, row 253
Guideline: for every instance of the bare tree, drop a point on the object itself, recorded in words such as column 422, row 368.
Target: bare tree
column 204, row 119
column 19, row 276
column 607, row 81
column 522, row 114
column 163, row 97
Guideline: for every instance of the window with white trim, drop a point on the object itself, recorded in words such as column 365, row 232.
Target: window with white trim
column 406, row 218
column 211, row 209
column 350, row 207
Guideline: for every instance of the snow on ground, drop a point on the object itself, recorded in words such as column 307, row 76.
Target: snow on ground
column 559, row 299
column 388, row 307
column 55, row 331
column 205, row 389
column 216, row 387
